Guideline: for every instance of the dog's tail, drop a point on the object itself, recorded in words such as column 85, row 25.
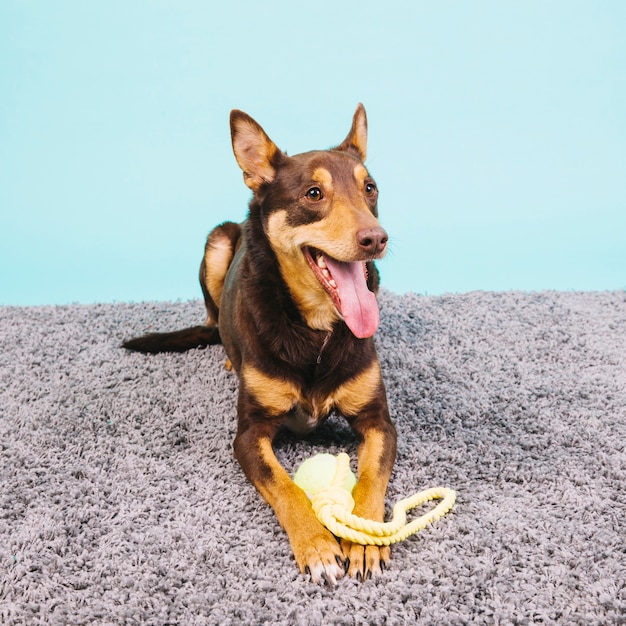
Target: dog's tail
column 177, row 341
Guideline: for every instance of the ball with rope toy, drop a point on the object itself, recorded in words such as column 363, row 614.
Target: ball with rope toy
column 328, row 482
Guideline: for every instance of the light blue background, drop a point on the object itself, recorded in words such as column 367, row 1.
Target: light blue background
column 497, row 136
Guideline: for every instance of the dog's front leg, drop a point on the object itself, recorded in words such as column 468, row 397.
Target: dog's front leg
column 315, row 549
column 376, row 456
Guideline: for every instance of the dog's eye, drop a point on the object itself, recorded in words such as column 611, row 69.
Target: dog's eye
column 370, row 189
column 315, row 194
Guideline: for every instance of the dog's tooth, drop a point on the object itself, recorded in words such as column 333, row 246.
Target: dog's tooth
column 332, row 283
column 321, row 262
column 325, row 273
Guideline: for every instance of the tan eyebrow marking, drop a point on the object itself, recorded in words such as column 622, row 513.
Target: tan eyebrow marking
column 360, row 174
column 322, row 176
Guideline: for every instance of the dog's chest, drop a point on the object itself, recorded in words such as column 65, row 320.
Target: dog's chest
column 303, row 408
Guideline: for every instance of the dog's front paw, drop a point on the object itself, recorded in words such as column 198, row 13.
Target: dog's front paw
column 365, row 562
column 320, row 556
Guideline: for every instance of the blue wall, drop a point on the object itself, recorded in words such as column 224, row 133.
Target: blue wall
column 497, row 136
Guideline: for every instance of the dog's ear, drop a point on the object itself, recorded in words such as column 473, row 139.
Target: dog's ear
column 356, row 141
column 255, row 152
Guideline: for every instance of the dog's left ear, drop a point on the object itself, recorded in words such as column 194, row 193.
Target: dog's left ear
column 356, row 141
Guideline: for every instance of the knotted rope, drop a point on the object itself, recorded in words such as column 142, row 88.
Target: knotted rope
column 333, row 506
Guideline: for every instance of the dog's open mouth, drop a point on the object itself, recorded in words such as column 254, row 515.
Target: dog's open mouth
column 346, row 283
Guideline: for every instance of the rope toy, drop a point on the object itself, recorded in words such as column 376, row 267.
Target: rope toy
column 333, row 504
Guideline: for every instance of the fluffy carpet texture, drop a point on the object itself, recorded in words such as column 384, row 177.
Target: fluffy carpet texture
column 121, row 503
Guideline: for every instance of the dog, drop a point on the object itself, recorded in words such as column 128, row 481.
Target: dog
column 290, row 293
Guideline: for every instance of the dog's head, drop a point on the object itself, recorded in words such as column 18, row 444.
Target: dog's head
column 319, row 213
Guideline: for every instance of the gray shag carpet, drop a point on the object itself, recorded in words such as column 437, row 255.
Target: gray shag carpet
column 121, row 503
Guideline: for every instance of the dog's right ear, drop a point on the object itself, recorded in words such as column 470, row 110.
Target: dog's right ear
column 255, row 152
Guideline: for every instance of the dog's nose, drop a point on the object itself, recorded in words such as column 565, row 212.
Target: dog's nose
column 372, row 240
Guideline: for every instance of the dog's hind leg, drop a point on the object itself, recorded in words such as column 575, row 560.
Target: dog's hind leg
column 221, row 245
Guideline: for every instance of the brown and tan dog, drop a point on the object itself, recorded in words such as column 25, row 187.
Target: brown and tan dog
column 290, row 294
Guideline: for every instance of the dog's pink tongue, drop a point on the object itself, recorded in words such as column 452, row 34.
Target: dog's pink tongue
column 358, row 304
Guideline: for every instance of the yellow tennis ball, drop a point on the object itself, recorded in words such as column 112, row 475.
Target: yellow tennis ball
column 318, row 472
